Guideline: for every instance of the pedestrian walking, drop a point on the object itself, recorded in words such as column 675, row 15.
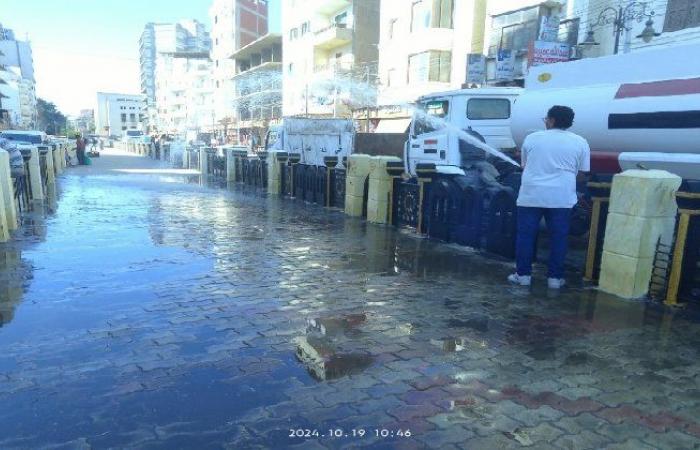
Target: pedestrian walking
column 80, row 149
column 552, row 160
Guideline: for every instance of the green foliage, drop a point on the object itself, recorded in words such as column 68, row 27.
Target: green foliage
column 49, row 118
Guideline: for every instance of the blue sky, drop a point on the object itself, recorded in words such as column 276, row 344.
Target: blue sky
column 84, row 46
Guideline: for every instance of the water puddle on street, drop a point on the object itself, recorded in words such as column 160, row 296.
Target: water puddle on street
column 328, row 350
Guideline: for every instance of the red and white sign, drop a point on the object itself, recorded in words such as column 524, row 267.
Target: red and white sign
column 542, row 52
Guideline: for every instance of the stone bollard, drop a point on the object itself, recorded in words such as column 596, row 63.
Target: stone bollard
column 381, row 185
column 50, row 172
column 8, row 213
column 203, row 161
column 358, row 171
column 35, row 176
column 275, row 160
column 230, row 164
column 58, row 159
column 642, row 212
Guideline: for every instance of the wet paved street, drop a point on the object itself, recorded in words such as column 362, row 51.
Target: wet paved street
column 149, row 311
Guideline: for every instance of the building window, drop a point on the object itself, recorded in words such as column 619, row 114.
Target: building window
column 391, row 78
column 420, row 15
column 124, row 128
column 293, row 34
column 488, row 108
column 132, row 117
column 216, row 19
column 123, row 117
column 341, row 20
column 432, row 65
column 442, row 13
column 291, row 68
column 392, row 24
column 682, row 14
column 568, row 31
column 514, row 31
column 305, row 28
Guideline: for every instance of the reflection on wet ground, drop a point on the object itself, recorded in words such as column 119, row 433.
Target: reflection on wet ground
column 152, row 310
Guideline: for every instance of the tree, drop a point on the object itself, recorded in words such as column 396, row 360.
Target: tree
column 49, row 118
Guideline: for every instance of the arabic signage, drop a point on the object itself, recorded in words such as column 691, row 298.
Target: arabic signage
column 505, row 65
column 542, row 52
column 476, row 68
column 549, row 29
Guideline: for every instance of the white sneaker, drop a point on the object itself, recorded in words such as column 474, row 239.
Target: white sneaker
column 556, row 283
column 520, row 280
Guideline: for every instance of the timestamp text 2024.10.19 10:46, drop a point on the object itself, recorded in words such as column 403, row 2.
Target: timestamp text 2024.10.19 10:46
column 353, row 433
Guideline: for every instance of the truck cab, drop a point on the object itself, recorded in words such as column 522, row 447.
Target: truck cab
column 448, row 127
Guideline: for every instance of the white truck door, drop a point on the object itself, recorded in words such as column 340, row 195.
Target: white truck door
column 429, row 138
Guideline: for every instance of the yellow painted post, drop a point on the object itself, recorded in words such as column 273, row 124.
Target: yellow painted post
column 678, row 252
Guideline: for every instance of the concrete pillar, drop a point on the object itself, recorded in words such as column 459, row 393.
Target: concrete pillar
column 230, row 164
column 58, row 159
column 50, row 171
column 642, row 211
column 35, row 176
column 203, row 161
column 186, row 158
column 8, row 214
column 381, row 184
column 358, row 171
column 274, row 171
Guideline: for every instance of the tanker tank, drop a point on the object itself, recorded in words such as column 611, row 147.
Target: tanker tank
column 646, row 101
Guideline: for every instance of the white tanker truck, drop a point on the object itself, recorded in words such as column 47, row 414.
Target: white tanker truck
column 638, row 109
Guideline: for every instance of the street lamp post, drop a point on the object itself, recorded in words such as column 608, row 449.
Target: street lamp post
column 620, row 19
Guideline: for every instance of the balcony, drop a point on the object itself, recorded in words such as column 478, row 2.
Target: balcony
column 333, row 36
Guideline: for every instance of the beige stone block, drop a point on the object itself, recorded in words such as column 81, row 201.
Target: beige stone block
column 379, row 189
column 353, row 205
column 645, row 193
column 637, row 236
column 35, row 176
column 625, row 276
column 377, row 211
column 355, row 185
column 359, row 165
column 378, row 166
column 274, row 175
column 7, row 193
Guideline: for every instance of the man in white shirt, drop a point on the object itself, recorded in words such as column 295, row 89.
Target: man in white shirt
column 552, row 160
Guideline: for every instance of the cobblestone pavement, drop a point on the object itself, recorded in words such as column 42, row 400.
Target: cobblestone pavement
column 148, row 311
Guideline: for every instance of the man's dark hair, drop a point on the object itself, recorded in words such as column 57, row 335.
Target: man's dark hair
column 563, row 116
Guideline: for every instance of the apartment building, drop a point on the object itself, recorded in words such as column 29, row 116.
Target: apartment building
column 184, row 92
column 330, row 56
column 235, row 24
column 424, row 45
column 17, row 83
column 258, row 81
column 117, row 113
column 166, row 38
